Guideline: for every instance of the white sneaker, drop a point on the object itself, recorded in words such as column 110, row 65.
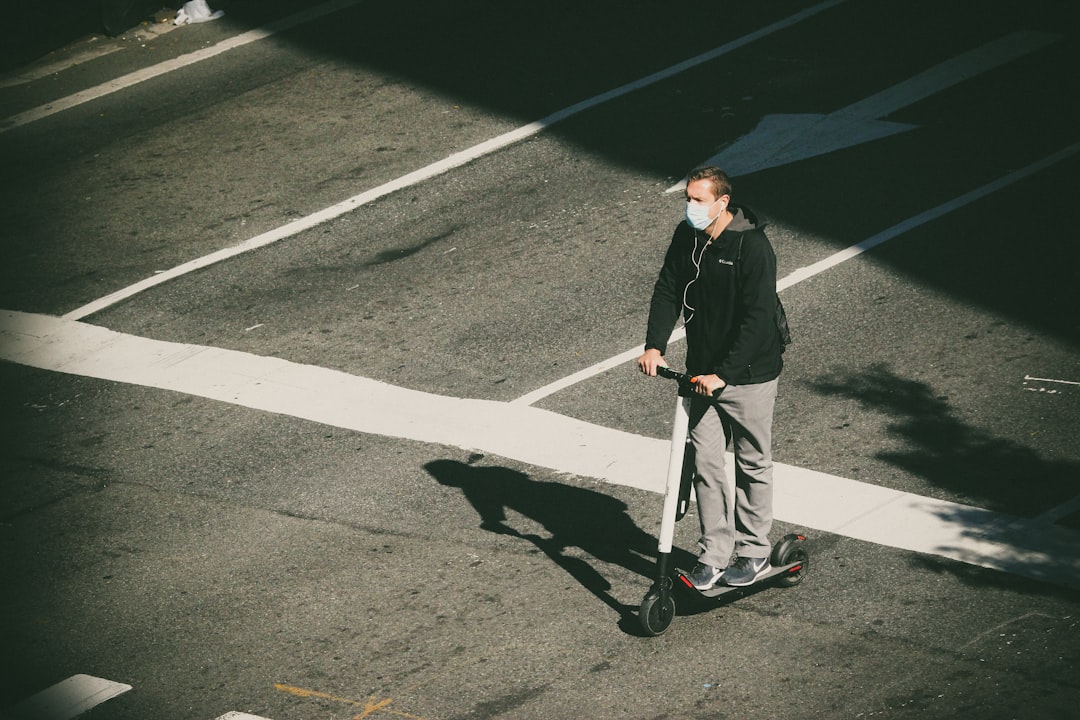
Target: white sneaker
column 745, row 571
column 704, row 577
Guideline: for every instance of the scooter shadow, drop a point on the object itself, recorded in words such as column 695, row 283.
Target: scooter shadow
column 571, row 517
column 690, row 602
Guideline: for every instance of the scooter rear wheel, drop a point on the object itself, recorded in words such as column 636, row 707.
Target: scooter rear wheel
column 789, row 551
column 657, row 611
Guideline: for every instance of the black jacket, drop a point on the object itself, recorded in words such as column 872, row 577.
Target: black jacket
column 730, row 308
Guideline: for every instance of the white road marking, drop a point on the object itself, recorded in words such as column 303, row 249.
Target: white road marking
column 821, row 266
column 589, row 372
column 1061, row 511
column 1049, row 380
column 240, row 716
column 32, row 74
column 453, row 161
column 531, row 435
column 67, row 699
column 928, row 215
column 134, row 78
column 782, row 139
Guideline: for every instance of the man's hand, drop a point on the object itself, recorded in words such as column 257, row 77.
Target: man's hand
column 650, row 360
column 708, row 385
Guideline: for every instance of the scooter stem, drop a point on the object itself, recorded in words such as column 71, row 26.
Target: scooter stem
column 679, row 429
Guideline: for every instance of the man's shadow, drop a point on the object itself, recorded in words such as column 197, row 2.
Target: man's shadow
column 572, row 517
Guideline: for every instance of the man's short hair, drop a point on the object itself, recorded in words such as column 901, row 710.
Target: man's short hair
column 719, row 179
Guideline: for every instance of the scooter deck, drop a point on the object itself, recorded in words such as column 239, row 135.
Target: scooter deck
column 722, row 589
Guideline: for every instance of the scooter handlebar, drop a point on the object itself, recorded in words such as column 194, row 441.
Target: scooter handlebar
column 665, row 371
column 686, row 382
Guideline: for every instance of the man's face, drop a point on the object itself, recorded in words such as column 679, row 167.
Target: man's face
column 702, row 192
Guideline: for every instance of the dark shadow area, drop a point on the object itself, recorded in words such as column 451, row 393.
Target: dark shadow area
column 526, row 61
column 389, row 256
column 33, row 28
column 571, row 517
column 998, row 473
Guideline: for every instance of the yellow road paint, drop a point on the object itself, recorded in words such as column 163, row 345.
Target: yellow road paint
column 371, row 705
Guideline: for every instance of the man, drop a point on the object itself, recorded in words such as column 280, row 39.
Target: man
column 720, row 272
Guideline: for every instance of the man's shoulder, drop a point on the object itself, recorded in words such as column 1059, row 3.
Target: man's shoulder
column 746, row 240
column 754, row 239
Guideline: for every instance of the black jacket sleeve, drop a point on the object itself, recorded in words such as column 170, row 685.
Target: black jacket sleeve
column 666, row 301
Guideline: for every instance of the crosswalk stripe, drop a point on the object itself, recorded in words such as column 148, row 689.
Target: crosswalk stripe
column 67, row 699
column 530, row 435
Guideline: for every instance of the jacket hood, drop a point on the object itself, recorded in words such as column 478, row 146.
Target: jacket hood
column 743, row 219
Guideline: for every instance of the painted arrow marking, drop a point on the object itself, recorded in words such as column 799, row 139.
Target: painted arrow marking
column 782, row 139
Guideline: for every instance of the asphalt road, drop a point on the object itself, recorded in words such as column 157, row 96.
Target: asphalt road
column 219, row 558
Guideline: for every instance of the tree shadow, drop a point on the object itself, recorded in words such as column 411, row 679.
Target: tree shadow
column 999, row 473
column 1011, row 484
column 1009, row 553
column 572, row 517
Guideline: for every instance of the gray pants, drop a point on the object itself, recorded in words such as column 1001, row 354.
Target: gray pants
column 735, row 517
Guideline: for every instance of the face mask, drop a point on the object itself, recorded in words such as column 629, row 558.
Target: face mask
column 697, row 216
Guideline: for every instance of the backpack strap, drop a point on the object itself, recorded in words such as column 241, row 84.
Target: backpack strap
column 781, row 315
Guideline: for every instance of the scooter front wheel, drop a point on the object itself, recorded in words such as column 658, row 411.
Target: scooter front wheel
column 657, row 611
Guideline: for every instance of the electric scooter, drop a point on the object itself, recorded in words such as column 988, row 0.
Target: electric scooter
column 789, row 559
